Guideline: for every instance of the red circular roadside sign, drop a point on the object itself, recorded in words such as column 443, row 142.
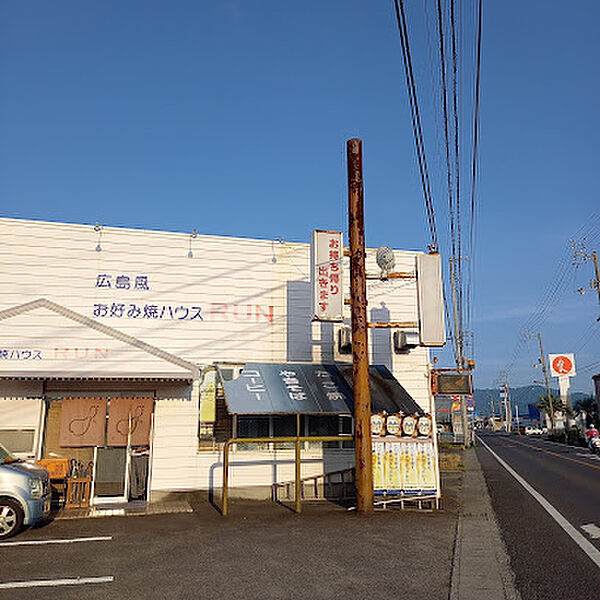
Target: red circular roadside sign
column 562, row 365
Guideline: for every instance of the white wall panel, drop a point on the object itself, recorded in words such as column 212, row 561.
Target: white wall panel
column 20, row 413
column 178, row 465
column 254, row 295
column 41, row 340
column 254, row 301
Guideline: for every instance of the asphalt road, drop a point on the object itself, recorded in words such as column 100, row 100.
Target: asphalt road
column 547, row 562
column 260, row 551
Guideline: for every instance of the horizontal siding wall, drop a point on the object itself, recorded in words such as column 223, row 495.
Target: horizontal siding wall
column 253, row 295
column 50, row 342
column 175, row 445
column 178, row 465
column 250, row 300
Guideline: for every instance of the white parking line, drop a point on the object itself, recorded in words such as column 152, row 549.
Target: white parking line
column 55, row 582
column 573, row 533
column 104, row 538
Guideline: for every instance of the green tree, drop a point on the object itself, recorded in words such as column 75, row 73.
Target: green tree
column 544, row 405
column 557, row 405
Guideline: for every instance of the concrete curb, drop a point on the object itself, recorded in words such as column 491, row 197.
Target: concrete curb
column 480, row 565
column 158, row 508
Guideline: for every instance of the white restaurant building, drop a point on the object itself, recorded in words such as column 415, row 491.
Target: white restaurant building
column 94, row 318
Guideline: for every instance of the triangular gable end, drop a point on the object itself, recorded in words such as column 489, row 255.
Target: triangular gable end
column 43, row 339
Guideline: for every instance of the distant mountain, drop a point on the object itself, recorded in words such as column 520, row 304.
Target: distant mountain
column 521, row 396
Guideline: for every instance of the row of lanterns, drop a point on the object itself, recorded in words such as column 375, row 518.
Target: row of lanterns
column 401, row 425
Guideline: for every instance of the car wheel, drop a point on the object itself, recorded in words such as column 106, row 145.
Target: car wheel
column 11, row 518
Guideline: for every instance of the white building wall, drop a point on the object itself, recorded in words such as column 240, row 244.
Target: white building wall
column 233, row 300
column 178, row 465
column 41, row 340
column 253, row 295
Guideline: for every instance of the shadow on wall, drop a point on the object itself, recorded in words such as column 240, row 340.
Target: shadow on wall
column 244, row 464
column 299, row 326
column 381, row 339
column 299, row 330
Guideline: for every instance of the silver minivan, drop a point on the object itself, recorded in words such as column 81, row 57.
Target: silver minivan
column 24, row 493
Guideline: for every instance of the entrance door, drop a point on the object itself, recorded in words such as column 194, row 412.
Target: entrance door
column 110, row 481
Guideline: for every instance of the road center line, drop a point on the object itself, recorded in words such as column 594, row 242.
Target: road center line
column 581, row 462
column 104, row 538
column 585, row 545
column 55, row 582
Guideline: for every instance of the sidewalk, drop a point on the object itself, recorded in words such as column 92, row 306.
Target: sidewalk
column 481, row 567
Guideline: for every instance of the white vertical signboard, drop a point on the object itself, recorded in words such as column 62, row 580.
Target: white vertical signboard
column 432, row 330
column 326, row 254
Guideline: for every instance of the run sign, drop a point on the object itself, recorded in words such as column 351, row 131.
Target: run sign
column 326, row 253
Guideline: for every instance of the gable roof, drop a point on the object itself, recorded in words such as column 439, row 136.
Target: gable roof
column 101, row 328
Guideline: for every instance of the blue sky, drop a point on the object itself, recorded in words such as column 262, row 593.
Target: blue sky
column 231, row 117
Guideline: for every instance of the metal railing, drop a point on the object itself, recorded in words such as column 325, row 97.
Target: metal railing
column 297, row 440
column 321, row 486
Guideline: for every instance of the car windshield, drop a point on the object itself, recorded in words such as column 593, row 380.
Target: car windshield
column 5, row 456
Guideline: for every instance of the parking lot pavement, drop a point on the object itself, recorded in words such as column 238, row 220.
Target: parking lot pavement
column 260, row 551
column 53, row 561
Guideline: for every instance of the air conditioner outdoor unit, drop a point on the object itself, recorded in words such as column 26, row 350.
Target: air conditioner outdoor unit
column 405, row 341
column 344, row 341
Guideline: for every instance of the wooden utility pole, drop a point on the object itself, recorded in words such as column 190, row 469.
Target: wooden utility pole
column 545, row 369
column 360, row 347
column 460, row 360
column 596, row 283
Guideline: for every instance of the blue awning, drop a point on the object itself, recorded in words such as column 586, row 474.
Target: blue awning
column 309, row 388
column 287, row 388
column 387, row 393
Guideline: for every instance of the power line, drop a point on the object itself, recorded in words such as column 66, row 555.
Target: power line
column 586, row 338
column 416, row 119
column 455, row 111
column 449, row 34
column 446, row 128
column 454, row 328
column 555, row 288
column 474, row 162
column 589, row 367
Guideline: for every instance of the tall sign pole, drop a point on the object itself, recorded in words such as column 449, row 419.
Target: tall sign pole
column 563, row 367
column 360, row 348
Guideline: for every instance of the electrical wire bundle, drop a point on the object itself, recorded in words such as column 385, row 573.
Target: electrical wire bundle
column 461, row 220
